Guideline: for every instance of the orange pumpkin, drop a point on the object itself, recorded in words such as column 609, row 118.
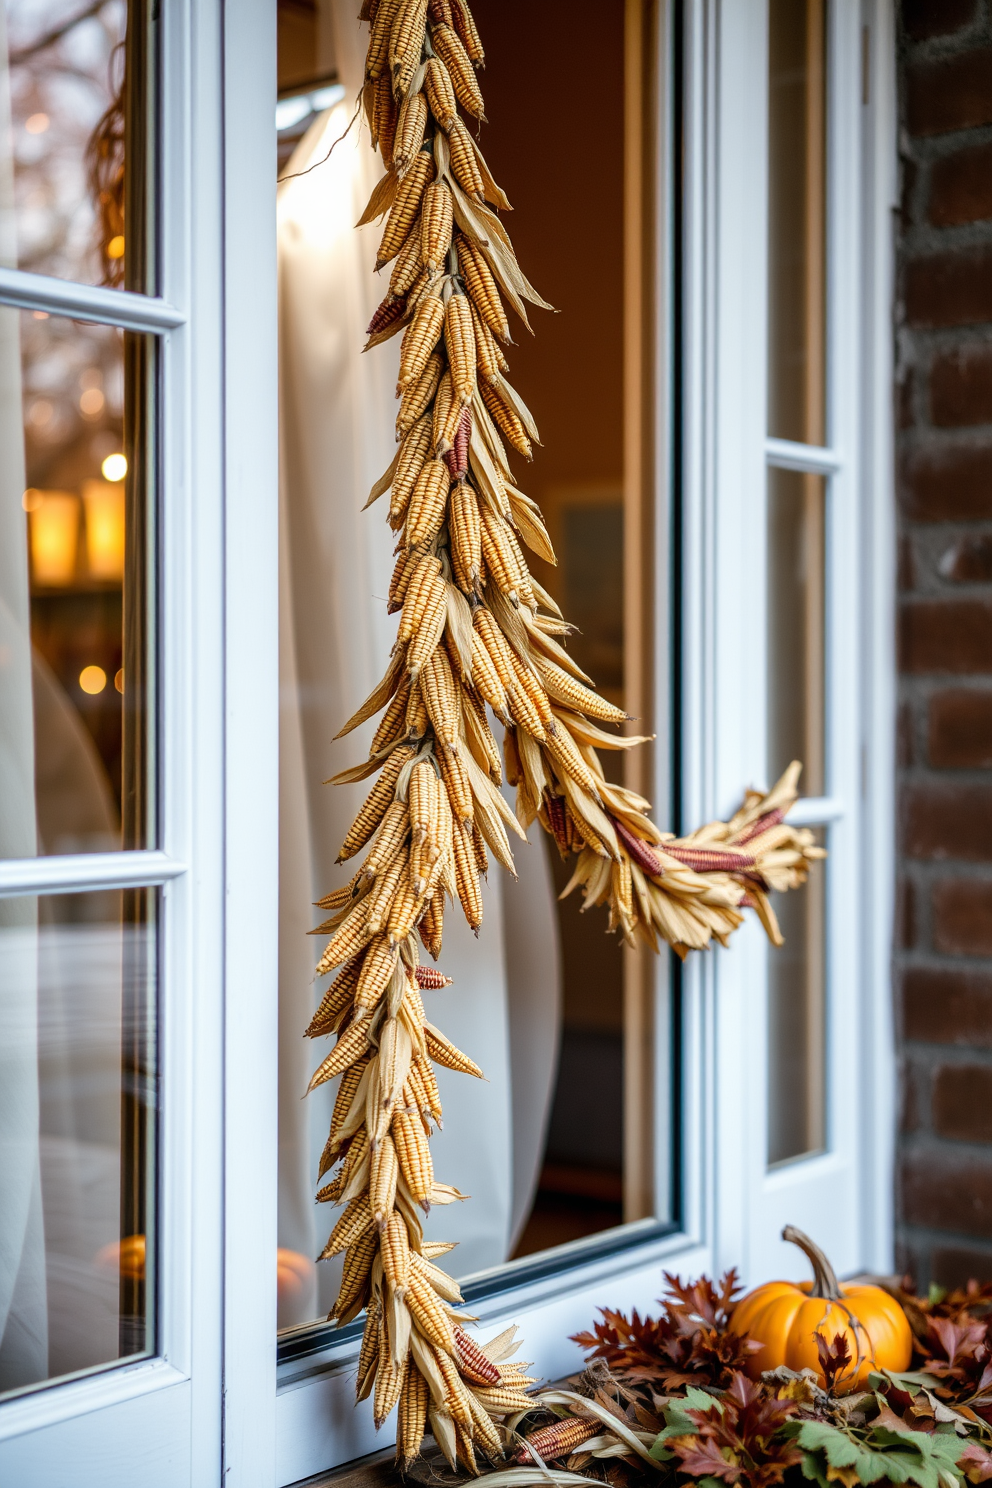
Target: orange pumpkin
column 786, row 1319
column 293, row 1273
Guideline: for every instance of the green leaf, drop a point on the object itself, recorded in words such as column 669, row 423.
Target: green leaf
column 903, row 1462
column 813, row 1469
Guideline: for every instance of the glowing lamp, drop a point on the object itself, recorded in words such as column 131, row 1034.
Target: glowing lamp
column 104, row 504
column 54, row 517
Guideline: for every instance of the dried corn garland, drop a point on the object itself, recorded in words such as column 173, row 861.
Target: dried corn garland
column 475, row 630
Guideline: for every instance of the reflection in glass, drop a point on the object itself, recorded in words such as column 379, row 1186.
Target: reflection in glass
column 797, row 220
column 796, row 651
column 797, row 1023
column 74, row 597
column 78, row 108
column 77, row 1132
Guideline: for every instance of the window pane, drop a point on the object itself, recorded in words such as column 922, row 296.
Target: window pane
column 796, row 220
column 79, row 107
column 797, row 1023
column 78, row 1071
column 75, row 596
column 796, row 652
column 538, row 999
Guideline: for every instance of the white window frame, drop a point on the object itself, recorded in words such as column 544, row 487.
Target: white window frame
column 210, row 1409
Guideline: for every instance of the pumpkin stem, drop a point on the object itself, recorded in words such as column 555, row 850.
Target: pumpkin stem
column 825, row 1283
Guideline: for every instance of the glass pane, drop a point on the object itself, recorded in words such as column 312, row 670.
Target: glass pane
column 538, row 999
column 75, row 586
column 797, row 1023
column 796, row 650
column 74, row 106
column 797, row 220
column 78, row 1071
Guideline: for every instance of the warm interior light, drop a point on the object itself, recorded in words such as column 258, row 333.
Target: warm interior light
column 54, row 536
column 91, row 402
column 39, row 314
column 114, row 467
column 104, row 504
column 40, row 413
column 119, row 679
column 92, row 679
column 115, row 248
column 128, row 1256
column 31, row 500
column 36, row 123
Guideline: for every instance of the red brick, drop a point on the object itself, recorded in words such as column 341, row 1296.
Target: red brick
column 962, row 916
column 906, row 914
column 947, row 1187
column 945, row 1006
column 952, row 93
column 905, row 728
column 922, row 19
column 949, row 289
column 961, row 382
column 962, row 1102
column 961, row 187
column 946, row 636
column 947, row 821
column 948, row 485
column 954, row 1265
column 969, row 560
column 909, row 1112
column 960, row 730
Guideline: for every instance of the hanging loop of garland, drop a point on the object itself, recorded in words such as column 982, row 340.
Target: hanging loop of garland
column 477, row 635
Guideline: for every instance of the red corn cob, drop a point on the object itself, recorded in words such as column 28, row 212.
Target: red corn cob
column 763, row 824
column 472, row 1362
column 390, row 310
column 429, row 979
column 457, row 457
column 709, row 859
column 640, row 852
column 558, row 1440
column 555, row 807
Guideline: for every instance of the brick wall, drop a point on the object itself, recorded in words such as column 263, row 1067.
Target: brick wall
column 944, row 448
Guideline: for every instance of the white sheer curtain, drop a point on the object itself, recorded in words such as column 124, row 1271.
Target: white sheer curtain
column 337, row 410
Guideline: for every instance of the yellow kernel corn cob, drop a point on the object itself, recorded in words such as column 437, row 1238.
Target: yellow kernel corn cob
column 418, row 397
column 448, row 46
column 355, row 1275
column 456, row 1400
column 442, row 1051
column 440, row 93
column 467, row 878
column 430, row 629
column 405, row 208
column 489, row 360
column 561, row 747
column 459, row 339
column 441, row 697
column 495, row 643
column 486, row 1434
column 468, row 34
column 465, row 532
column 391, row 724
column 389, row 838
column 354, row 1222
column 395, row 1244
column 408, row 265
column 479, row 281
column 403, row 570
column 486, row 678
column 414, row 1155
column 380, row 900
column 368, row 1354
column 623, row 889
column 337, row 997
column 507, row 420
column 427, row 504
column 529, row 684
column 350, row 1081
column 501, row 560
column 424, row 1087
column 377, row 968
column 479, row 849
column 420, row 593
column 413, row 455
column 480, row 736
column 404, row 911
column 500, row 1401
column 351, row 936
column 412, row 1421
column 355, row 1156
column 436, row 222
column 563, row 688
column 456, row 783
column 375, row 806
column 416, row 714
column 350, row 1046
column 377, row 57
column 447, row 415
column 431, row 926
column 388, row 1381
column 384, row 118
column 405, row 39
column 464, row 162
column 419, row 339
column 382, row 1181
column 410, row 128
column 428, row 1313
column 422, row 799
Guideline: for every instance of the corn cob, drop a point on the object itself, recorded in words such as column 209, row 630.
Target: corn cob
column 436, row 219
column 336, row 999
column 464, row 161
column 377, row 59
column 507, row 419
column 444, row 1052
column 414, row 1155
column 353, row 1223
column 412, row 1422
column 478, row 276
column 405, row 207
column 559, row 1440
column 349, row 1047
column 419, row 340
column 432, row 924
column 375, row 806
column 489, row 360
column 406, row 41
column 452, row 53
column 441, row 697
column 417, row 398
column 464, row 24
column 411, row 126
column 456, row 458
column 440, row 93
column 456, row 783
column 409, row 262
column 427, row 504
column 459, row 340
column 368, row 1355
column 355, row 1274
